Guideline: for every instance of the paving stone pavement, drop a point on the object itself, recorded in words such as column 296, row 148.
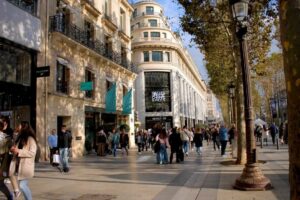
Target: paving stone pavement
column 138, row 177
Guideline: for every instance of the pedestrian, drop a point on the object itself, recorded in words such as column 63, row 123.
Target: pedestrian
column 64, row 143
column 101, row 142
column 162, row 155
column 52, row 142
column 265, row 134
column 198, row 139
column 231, row 133
column 215, row 137
column 175, row 142
column 5, row 143
column 223, row 139
column 124, row 140
column 24, row 152
column 7, row 129
column 139, row 141
column 207, row 136
column 115, row 141
column 258, row 132
column 185, row 137
column 273, row 131
column 285, row 135
column 281, row 132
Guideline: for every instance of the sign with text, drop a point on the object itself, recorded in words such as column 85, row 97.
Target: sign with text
column 43, row 71
column 86, row 86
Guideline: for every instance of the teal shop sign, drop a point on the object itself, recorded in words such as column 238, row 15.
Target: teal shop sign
column 86, row 86
column 111, row 99
column 127, row 103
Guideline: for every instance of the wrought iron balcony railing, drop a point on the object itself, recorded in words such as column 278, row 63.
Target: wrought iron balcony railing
column 57, row 24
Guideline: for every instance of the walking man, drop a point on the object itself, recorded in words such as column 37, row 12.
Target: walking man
column 52, row 142
column 64, row 145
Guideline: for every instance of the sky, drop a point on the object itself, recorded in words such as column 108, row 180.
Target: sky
column 173, row 12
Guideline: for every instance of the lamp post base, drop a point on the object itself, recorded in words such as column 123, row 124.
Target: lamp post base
column 252, row 179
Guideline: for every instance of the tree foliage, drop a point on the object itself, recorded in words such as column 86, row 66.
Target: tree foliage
column 213, row 30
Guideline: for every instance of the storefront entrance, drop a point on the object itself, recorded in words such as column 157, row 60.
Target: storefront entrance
column 166, row 122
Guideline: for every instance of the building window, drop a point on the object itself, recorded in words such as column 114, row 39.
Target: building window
column 146, row 56
column 89, row 33
column 167, row 57
column 122, row 20
column 157, row 56
column 15, row 65
column 164, row 35
column 62, row 78
column 90, row 77
column 157, row 92
column 27, row 5
column 153, row 22
column 134, row 14
column 108, row 85
column 145, row 34
column 149, row 10
column 155, row 34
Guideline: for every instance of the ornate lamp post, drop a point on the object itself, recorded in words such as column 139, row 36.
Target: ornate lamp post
column 252, row 177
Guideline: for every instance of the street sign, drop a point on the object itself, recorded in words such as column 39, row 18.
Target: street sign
column 86, row 86
column 43, row 71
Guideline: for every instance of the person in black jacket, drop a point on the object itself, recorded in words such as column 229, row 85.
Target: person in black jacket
column 175, row 142
column 64, row 143
column 124, row 140
column 198, row 139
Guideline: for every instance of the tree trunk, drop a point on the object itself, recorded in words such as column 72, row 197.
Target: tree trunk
column 241, row 138
column 290, row 31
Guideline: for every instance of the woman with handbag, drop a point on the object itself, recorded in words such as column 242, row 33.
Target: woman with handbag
column 24, row 151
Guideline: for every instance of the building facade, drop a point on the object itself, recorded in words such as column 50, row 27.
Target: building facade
column 87, row 45
column 213, row 114
column 168, row 88
column 20, row 42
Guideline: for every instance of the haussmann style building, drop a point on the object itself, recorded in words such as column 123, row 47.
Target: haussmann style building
column 168, row 88
column 87, row 46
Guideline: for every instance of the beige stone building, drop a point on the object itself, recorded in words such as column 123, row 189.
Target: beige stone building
column 169, row 88
column 87, row 45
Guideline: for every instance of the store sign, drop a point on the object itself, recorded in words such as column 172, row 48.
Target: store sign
column 158, row 96
column 86, row 86
column 43, row 71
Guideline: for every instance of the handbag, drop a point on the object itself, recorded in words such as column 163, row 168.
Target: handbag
column 157, row 146
column 56, row 159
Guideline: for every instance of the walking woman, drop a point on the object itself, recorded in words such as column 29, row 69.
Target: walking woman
column 198, row 139
column 24, row 151
column 162, row 155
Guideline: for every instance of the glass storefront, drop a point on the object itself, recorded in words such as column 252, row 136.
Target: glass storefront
column 157, row 92
column 17, row 91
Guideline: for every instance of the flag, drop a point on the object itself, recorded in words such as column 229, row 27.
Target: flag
column 127, row 103
column 111, row 99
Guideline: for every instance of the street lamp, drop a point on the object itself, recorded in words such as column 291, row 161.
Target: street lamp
column 252, row 177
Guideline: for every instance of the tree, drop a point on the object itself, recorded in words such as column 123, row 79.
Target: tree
column 290, row 31
column 213, row 30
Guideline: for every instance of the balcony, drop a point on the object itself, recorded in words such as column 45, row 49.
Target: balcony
column 80, row 36
column 29, row 6
column 89, row 7
column 148, row 25
column 110, row 22
column 159, row 14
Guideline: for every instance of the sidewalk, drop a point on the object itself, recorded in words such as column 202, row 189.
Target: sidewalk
column 138, row 177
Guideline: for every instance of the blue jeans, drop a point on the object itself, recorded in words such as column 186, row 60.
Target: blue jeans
column 163, row 155
column 25, row 189
column 185, row 146
column 64, row 157
column 114, row 146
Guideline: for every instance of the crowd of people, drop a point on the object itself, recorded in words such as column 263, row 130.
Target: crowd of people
column 262, row 133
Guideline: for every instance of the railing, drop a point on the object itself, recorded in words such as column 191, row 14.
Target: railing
column 27, row 5
column 148, row 14
column 154, row 39
column 146, row 25
column 57, row 24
